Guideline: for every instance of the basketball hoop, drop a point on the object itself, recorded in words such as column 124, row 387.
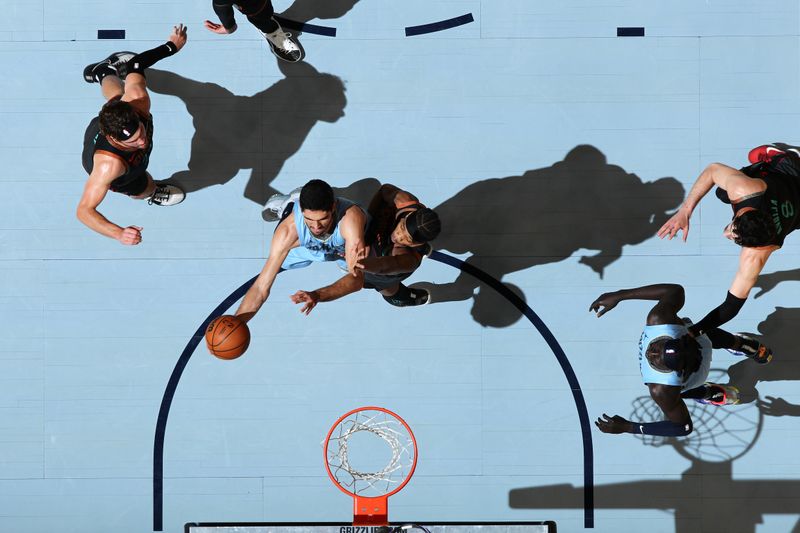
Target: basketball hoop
column 370, row 489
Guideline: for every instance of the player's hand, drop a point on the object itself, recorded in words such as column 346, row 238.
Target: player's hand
column 354, row 255
column 217, row 28
column 309, row 298
column 130, row 236
column 178, row 36
column 677, row 222
column 607, row 301
column 613, row 424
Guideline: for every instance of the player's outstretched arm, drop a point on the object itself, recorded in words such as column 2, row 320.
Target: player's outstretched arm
column 284, row 239
column 347, row 284
column 401, row 263
column 668, row 398
column 135, row 83
column 723, row 176
column 104, row 171
column 670, row 296
column 751, row 262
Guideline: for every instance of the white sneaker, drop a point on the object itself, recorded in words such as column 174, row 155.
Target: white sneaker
column 166, row 195
column 283, row 45
column 276, row 205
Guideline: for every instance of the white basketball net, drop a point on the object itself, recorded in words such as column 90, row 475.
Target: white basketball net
column 388, row 428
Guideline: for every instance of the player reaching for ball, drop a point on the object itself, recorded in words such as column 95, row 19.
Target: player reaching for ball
column 398, row 238
column 119, row 140
column 317, row 227
column 674, row 364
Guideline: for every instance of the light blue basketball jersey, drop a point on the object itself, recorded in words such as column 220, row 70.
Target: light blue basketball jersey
column 651, row 375
column 313, row 249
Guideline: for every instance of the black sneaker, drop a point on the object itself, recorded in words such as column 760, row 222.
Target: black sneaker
column 283, row 45
column 418, row 297
column 717, row 394
column 166, row 195
column 113, row 64
column 752, row 348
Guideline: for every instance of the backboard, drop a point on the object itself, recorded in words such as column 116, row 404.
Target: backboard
column 408, row 527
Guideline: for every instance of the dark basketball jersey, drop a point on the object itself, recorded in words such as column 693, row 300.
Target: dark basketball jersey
column 135, row 161
column 781, row 199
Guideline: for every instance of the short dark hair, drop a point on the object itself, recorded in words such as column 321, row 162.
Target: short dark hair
column 655, row 352
column 754, row 228
column 115, row 116
column 423, row 225
column 316, row 195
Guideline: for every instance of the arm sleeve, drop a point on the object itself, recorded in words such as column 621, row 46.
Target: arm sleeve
column 224, row 11
column 665, row 428
column 719, row 315
column 147, row 59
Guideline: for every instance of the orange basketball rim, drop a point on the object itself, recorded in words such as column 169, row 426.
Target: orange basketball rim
column 370, row 490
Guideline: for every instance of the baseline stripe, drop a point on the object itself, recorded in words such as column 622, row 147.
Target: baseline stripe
column 439, row 26
column 305, row 27
column 575, row 387
column 110, row 34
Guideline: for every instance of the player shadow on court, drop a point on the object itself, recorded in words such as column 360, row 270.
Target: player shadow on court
column 259, row 132
column 360, row 192
column 545, row 216
column 777, row 332
column 306, row 10
column 706, row 497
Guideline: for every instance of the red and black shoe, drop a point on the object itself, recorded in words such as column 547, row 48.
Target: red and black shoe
column 764, row 153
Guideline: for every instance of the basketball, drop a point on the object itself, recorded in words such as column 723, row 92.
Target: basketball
column 227, row 337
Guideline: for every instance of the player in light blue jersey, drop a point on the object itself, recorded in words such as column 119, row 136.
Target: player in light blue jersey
column 319, row 227
column 674, row 364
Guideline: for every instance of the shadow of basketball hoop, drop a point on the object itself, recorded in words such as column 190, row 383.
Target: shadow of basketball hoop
column 706, row 497
column 721, row 434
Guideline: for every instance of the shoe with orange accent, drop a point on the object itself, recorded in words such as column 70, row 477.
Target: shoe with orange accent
column 752, row 348
column 720, row 395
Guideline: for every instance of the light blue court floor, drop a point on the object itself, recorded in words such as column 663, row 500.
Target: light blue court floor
column 553, row 150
